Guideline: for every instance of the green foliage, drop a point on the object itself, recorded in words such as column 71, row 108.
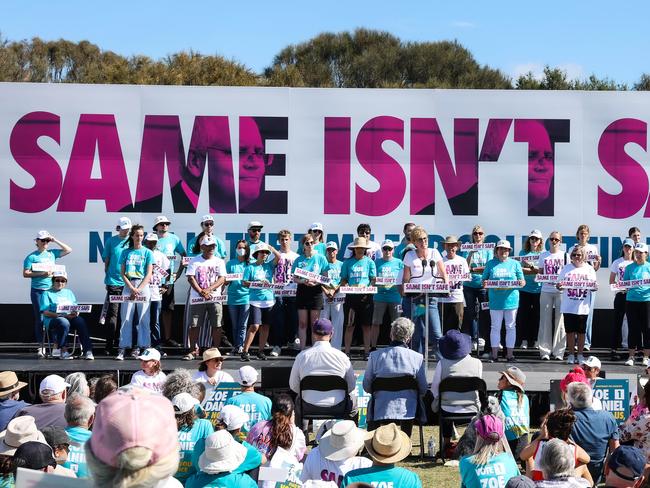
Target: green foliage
column 557, row 79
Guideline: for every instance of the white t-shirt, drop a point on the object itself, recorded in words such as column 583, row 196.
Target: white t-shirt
column 574, row 300
column 373, row 251
column 220, row 377
column 160, row 264
column 618, row 267
column 551, row 264
column 316, row 467
column 154, row 383
column 414, row 263
column 456, row 266
column 592, row 253
column 282, row 272
column 206, row 272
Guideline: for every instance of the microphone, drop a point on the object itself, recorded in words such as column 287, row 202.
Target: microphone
column 424, row 263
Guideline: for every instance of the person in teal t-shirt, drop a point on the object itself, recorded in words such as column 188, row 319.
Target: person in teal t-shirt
column 528, row 312
column 503, row 301
column 332, row 299
column 79, row 413
column 515, row 407
column 636, row 304
column 238, row 295
column 258, row 407
column 489, row 466
column 383, row 473
column 388, row 297
column 40, row 280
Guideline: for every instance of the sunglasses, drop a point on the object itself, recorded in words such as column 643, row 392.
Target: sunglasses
column 331, row 249
column 478, row 233
column 309, row 243
column 255, row 230
column 533, row 238
column 386, row 248
column 44, row 240
column 554, row 239
column 60, row 281
column 208, row 224
column 576, row 255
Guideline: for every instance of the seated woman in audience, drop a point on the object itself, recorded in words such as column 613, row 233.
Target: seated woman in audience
column 557, row 465
column 280, row 431
column 210, row 372
column 390, row 362
column 557, row 425
column 219, row 462
column 491, row 464
column 515, row 407
column 150, row 376
column 455, row 349
column 637, row 428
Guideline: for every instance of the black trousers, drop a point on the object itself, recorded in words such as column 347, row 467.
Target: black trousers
column 528, row 317
column 638, row 316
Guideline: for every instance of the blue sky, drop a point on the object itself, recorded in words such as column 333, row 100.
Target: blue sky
column 603, row 38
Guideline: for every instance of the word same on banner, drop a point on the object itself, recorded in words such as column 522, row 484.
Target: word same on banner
column 234, row 276
column 503, row 284
column 265, row 285
column 127, row 298
column 311, row 276
column 579, row 284
column 212, row 299
column 73, row 308
column 547, row 278
column 386, row 281
column 459, row 277
column 358, row 290
column 439, row 287
column 48, row 267
column 624, row 284
column 468, row 246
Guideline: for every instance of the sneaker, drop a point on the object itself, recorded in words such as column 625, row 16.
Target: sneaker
column 245, row 356
column 240, row 349
column 89, row 356
column 546, row 357
column 275, row 352
column 66, row 355
column 135, row 352
column 474, row 346
column 587, row 347
column 120, row 355
column 629, row 362
column 295, row 344
column 56, row 353
column 261, row 356
column 536, row 346
column 40, row 352
column 511, row 359
column 524, row 344
column 500, row 347
column 558, row 358
column 581, row 359
column 571, row 359
column 481, row 342
column 646, row 361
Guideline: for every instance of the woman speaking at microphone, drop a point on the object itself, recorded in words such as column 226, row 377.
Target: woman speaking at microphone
column 423, row 265
column 503, row 301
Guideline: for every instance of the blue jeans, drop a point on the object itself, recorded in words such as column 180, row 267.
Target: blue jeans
column 128, row 311
column 239, row 321
column 60, row 326
column 435, row 332
column 35, row 296
column 154, row 320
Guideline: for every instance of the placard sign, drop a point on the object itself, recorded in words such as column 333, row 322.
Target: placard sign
column 468, row 246
column 127, row 298
column 234, row 276
column 438, row 287
column 579, row 284
column 73, row 308
column 358, row 290
column 624, row 284
column 362, row 402
column 311, row 276
column 265, row 285
column 216, row 398
column 502, row 284
column 547, row 278
column 386, row 281
column 212, row 299
column 48, row 267
column 614, row 395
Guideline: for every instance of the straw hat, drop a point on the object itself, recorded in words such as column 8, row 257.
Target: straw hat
column 211, row 353
column 19, row 430
column 9, row 383
column 388, row 444
column 359, row 242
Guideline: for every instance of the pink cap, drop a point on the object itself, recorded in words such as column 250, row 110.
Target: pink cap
column 577, row 375
column 489, row 427
column 134, row 418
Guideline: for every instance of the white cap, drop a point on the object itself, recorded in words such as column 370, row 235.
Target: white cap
column 207, row 218
column 536, row 233
column 124, row 223
column 592, row 362
column 43, row 234
column 316, row 226
column 254, row 223
column 150, row 354
column 332, row 245
column 151, row 236
column 640, row 246
column 53, row 383
column 233, row 416
column 60, row 273
column 208, row 241
column 161, row 219
column 387, row 243
column 504, row 243
column 247, row 376
column 184, row 402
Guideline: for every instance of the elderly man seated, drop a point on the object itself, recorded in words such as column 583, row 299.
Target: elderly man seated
column 396, row 360
column 52, row 391
column 593, row 430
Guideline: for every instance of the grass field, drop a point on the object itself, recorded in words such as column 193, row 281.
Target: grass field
column 432, row 473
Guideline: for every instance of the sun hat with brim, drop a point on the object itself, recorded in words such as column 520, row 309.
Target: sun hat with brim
column 388, row 444
column 515, row 377
column 222, row 453
column 342, row 441
column 19, row 430
column 451, row 240
column 161, row 219
column 261, row 247
column 359, row 242
column 455, row 345
column 9, row 383
column 211, row 353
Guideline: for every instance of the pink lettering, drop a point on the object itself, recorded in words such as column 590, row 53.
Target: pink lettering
column 337, row 165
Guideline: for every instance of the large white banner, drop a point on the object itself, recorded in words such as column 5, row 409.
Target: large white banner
column 75, row 158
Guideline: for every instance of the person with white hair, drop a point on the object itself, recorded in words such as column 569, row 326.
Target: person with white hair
column 557, row 464
column 78, row 384
column 594, row 430
column 80, row 415
column 52, row 391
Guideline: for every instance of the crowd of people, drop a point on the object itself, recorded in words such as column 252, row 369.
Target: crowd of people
column 540, row 299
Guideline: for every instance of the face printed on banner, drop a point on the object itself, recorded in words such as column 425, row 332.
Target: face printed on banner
column 541, row 167
column 251, row 161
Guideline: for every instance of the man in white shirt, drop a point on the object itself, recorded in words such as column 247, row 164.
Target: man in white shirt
column 374, row 249
column 323, row 360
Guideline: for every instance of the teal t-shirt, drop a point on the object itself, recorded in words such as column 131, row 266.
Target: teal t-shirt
column 221, row 480
column 41, row 282
column 172, row 247
column 7, row 481
column 219, row 250
column 636, row 271
column 188, row 438
column 503, row 270
column 402, row 248
column 532, row 286
column 383, row 477
column 113, row 251
column 478, row 260
column 389, row 269
column 494, row 474
column 77, row 454
column 358, row 272
column 136, row 262
column 259, row 272
column 319, row 248
column 333, row 272
column 316, row 263
column 50, row 299
column 237, row 293
column 257, row 406
column 517, row 415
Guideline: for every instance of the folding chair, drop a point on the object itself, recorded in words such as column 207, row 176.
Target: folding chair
column 455, row 384
column 402, row 383
column 46, row 339
column 324, row 383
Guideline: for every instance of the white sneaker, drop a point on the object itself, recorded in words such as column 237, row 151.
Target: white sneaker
column 546, row 357
column 500, row 347
column 240, row 349
column 40, row 352
column 629, row 362
column 474, row 346
column 66, row 355
column 571, row 359
column 120, row 355
column 275, row 352
column 56, row 353
column 481, row 342
column 587, row 348
column 646, row 361
column 89, row 356
column 581, row 359
column 524, row 344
